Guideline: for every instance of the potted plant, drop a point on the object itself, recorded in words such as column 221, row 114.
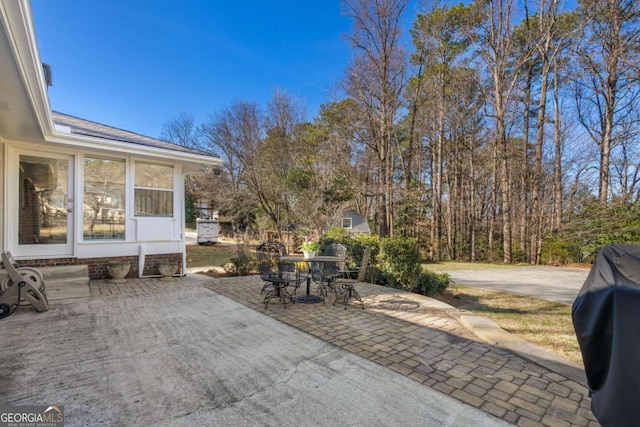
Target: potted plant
column 167, row 270
column 118, row 269
column 309, row 247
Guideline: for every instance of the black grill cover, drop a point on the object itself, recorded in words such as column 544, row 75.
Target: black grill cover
column 606, row 317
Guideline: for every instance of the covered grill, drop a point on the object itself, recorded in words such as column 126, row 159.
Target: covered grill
column 606, row 318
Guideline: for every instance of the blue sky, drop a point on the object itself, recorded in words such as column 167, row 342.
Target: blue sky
column 136, row 64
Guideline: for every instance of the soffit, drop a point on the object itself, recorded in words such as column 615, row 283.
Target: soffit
column 17, row 117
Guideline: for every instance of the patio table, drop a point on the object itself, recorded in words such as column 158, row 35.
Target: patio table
column 308, row 298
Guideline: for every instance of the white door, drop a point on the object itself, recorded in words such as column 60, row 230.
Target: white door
column 41, row 218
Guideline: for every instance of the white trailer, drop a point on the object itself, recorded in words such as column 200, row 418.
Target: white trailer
column 207, row 230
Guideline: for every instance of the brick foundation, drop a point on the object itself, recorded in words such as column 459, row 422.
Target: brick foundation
column 98, row 266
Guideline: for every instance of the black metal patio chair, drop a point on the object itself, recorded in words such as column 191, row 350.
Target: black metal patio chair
column 346, row 286
column 281, row 279
column 267, row 255
column 326, row 273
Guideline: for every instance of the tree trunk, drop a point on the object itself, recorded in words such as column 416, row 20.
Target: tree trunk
column 524, row 173
column 505, row 188
column 436, row 202
column 494, row 203
column 605, row 155
column 472, row 208
column 537, row 187
column 557, row 161
column 506, row 204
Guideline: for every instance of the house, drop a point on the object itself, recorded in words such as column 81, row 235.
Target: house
column 75, row 191
column 354, row 223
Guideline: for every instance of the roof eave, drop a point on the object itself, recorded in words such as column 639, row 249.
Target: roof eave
column 98, row 144
column 18, row 17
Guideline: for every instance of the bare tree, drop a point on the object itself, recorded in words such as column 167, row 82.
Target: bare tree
column 497, row 52
column 235, row 132
column 549, row 35
column 608, row 89
column 441, row 38
column 278, row 157
column 181, row 130
column 375, row 79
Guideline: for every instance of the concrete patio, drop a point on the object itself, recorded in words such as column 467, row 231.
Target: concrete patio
column 205, row 351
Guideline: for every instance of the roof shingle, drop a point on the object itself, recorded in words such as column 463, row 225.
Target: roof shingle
column 88, row 128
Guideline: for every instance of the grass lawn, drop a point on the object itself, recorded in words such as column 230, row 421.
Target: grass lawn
column 209, row 255
column 545, row 324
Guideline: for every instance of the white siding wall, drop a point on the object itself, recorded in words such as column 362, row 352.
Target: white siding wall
column 153, row 235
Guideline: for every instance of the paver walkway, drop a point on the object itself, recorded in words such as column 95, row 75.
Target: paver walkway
column 424, row 343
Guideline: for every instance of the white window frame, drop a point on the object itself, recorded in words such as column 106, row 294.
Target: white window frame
column 154, row 189
column 82, row 194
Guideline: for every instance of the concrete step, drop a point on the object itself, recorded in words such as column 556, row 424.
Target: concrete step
column 59, row 290
column 73, row 281
column 63, row 281
column 60, row 273
column 64, row 272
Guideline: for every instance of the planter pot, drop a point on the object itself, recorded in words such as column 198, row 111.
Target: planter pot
column 167, row 270
column 308, row 255
column 118, row 270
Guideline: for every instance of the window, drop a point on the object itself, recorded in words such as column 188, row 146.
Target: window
column 346, row 222
column 104, row 197
column 153, row 190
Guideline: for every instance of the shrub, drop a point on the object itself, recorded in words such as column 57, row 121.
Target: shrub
column 395, row 262
column 590, row 229
column 381, row 277
column 430, row 283
column 519, row 256
column 189, row 208
column 557, row 251
column 237, row 267
column 400, row 259
column 355, row 245
column 336, row 234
